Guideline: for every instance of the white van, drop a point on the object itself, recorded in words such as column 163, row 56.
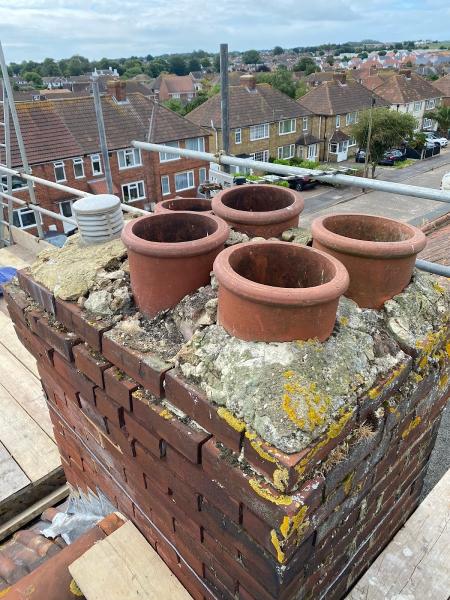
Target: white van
column 445, row 183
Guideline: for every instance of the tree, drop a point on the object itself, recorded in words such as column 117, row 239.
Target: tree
column 132, row 72
column 442, row 116
column 277, row 50
column 197, row 101
column 301, row 90
column 156, row 67
column 307, row 65
column 177, row 65
column 330, row 60
column 216, row 63
column 281, row 79
column 194, row 64
column 382, row 53
column 251, row 57
column 363, row 55
column 33, row 77
column 389, row 129
column 175, row 105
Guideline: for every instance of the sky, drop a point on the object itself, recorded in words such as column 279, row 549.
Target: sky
column 36, row 29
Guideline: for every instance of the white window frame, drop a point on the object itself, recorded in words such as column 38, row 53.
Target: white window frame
column 305, row 124
column 238, row 136
column 312, row 155
column 264, row 155
column 352, row 142
column 259, row 132
column 96, row 158
column 351, row 118
column 331, row 146
column 427, row 123
column 59, row 164
column 190, row 176
column 24, row 211
column 78, row 161
column 165, row 178
column 202, row 175
column 292, row 123
column 129, row 158
column 198, row 146
column 166, row 157
column 65, row 202
column 418, row 106
column 430, row 103
column 289, row 148
column 133, row 185
column 338, row 121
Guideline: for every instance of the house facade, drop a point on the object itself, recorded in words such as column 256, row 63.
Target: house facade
column 62, row 144
column 175, row 87
column 335, row 106
column 264, row 123
column 443, row 87
column 410, row 93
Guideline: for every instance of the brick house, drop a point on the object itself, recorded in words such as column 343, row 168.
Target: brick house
column 408, row 92
column 62, row 144
column 264, row 123
column 335, row 106
column 175, row 87
column 443, row 85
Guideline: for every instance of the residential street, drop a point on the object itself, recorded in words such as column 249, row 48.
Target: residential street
column 427, row 173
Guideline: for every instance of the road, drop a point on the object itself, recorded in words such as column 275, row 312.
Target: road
column 428, row 173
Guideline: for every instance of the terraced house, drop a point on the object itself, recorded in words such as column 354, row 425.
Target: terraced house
column 264, row 123
column 335, row 106
column 62, row 144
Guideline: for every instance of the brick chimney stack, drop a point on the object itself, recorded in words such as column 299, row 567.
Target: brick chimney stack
column 340, row 76
column 248, row 81
column 373, row 70
column 117, row 89
column 406, row 73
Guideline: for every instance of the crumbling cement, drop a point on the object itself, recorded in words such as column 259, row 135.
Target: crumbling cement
column 289, row 393
column 70, row 272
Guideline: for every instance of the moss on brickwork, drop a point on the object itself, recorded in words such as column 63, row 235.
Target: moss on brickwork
column 292, row 393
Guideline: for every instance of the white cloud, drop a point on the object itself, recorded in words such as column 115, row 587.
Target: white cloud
column 34, row 29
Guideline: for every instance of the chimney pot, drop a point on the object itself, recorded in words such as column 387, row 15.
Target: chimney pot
column 117, row 89
column 248, row 81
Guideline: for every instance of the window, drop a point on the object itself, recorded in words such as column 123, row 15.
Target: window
column 352, row 141
column 17, row 183
column 165, row 185
column 65, row 208
column 197, row 144
column 417, row 106
column 259, row 132
column 131, row 157
column 202, row 175
column 238, row 136
column 262, row 155
column 312, row 151
column 96, row 164
column 351, row 118
column 60, row 172
column 24, row 218
column 175, row 95
column 78, row 168
column 133, row 191
column 286, row 151
column 338, row 121
column 305, row 124
column 184, row 181
column 286, row 126
column 333, row 148
column 165, row 156
column 430, row 103
column 427, row 123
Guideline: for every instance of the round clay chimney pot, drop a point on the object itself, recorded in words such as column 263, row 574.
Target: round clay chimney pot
column 191, row 204
column 379, row 253
column 258, row 210
column 171, row 254
column 278, row 291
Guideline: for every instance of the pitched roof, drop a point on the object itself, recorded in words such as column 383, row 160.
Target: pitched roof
column 264, row 104
column 339, row 136
column 371, row 82
column 400, row 89
column 443, row 85
column 305, row 139
column 335, row 98
column 176, row 84
column 58, row 129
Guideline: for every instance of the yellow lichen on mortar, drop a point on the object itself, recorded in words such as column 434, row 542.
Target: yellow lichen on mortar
column 257, row 447
column 414, row 423
column 276, row 544
column 376, row 391
column 166, row 414
column 294, row 525
column 281, row 478
column 429, row 346
column 229, row 418
column 278, row 499
column 298, row 394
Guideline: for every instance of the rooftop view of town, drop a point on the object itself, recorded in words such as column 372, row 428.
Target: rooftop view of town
column 224, row 300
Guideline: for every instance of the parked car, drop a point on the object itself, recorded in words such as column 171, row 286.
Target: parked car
column 301, row 182
column 389, row 158
column 433, row 137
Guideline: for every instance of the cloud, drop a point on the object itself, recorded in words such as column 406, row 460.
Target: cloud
column 34, row 29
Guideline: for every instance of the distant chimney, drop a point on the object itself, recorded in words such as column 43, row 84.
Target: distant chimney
column 373, row 70
column 248, row 81
column 117, row 89
column 406, row 73
column 340, row 76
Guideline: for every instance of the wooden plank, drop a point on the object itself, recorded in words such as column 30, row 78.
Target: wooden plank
column 12, row 478
column 33, row 450
column 416, row 562
column 11, row 342
column 29, row 245
column 25, row 388
column 33, row 511
column 124, row 565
